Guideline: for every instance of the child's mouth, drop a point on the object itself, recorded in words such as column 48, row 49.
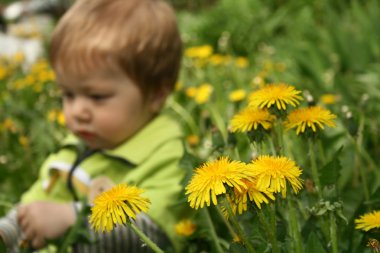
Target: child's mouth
column 86, row 135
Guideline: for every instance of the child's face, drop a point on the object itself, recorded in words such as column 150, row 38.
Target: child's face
column 104, row 109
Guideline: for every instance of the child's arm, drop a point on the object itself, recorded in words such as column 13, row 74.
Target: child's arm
column 43, row 220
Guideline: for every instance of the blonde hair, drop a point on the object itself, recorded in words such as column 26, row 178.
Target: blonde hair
column 139, row 37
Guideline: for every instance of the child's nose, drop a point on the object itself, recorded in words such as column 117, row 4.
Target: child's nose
column 80, row 109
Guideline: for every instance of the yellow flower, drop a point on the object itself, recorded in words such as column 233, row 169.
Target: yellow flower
column 191, row 92
column 185, row 227
column 178, row 86
column 218, row 59
column 203, row 93
column 9, row 125
column 237, row 95
column 241, row 62
column 275, row 94
column 273, row 173
column 3, row 72
column 240, row 199
column 199, row 52
column 210, row 180
column 56, row 115
column 329, row 99
column 116, row 206
column 193, row 140
column 311, row 117
column 368, row 221
column 250, row 119
column 24, row 141
column 374, row 245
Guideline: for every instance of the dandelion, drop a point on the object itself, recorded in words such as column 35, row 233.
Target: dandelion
column 218, row 59
column 240, row 199
column 237, row 95
column 241, row 62
column 211, row 178
column 116, row 206
column 273, row 174
column 203, row 93
column 250, row 119
column 185, row 227
column 275, row 94
column 24, row 141
column 311, row 117
column 368, row 221
column 329, row 99
column 191, row 91
column 199, row 52
column 374, row 245
column 193, row 140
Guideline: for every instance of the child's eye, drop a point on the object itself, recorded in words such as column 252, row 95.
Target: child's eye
column 98, row 97
column 67, row 95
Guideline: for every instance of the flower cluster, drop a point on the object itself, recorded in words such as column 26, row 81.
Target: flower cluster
column 256, row 181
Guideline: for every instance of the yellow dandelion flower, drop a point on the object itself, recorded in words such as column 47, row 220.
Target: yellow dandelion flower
column 24, row 141
column 273, row 173
column 241, row 62
column 18, row 58
column 368, row 221
column 210, row 180
column 218, row 59
column 199, row 52
column 203, row 93
column 193, row 140
column 9, row 125
column 185, row 227
column 3, row 72
column 237, row 95
column 240, row 199
column 191, row 92
column 275, row 94
column 250, row 119
column 61, row 118
column 311, row 117
column 116, row 206
column 178, row 86
column 329, row 99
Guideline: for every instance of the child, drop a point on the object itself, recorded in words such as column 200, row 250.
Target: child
column 116, row 61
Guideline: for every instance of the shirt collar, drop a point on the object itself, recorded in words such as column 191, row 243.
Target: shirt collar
column 140, row 146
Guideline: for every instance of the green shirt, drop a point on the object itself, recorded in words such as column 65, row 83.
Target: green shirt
column 148, row 160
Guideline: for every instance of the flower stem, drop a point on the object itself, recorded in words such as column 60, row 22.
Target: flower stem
column 294, row 226
column 238, row 229
column 143, row 237
column 212, row 230
column 314, row 169
column 271, row 232
column 334, row 240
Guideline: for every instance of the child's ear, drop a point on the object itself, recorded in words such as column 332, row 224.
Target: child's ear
column 158, row 99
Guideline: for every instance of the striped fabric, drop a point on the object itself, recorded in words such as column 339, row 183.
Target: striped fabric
column 10, row 231
column 120, row 240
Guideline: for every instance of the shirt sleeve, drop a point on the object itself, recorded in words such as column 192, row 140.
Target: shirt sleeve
column 10, row 231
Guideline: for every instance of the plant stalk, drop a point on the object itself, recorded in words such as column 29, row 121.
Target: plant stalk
column 143, row 237
column 212, row 230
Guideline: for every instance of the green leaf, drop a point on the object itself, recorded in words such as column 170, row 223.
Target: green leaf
column 237, row 248
column 314, row 245
column 330, row 172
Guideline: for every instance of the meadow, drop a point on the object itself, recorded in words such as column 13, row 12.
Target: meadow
column 278, row 101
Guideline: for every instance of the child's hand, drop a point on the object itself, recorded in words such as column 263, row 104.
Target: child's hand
column 45, row 220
